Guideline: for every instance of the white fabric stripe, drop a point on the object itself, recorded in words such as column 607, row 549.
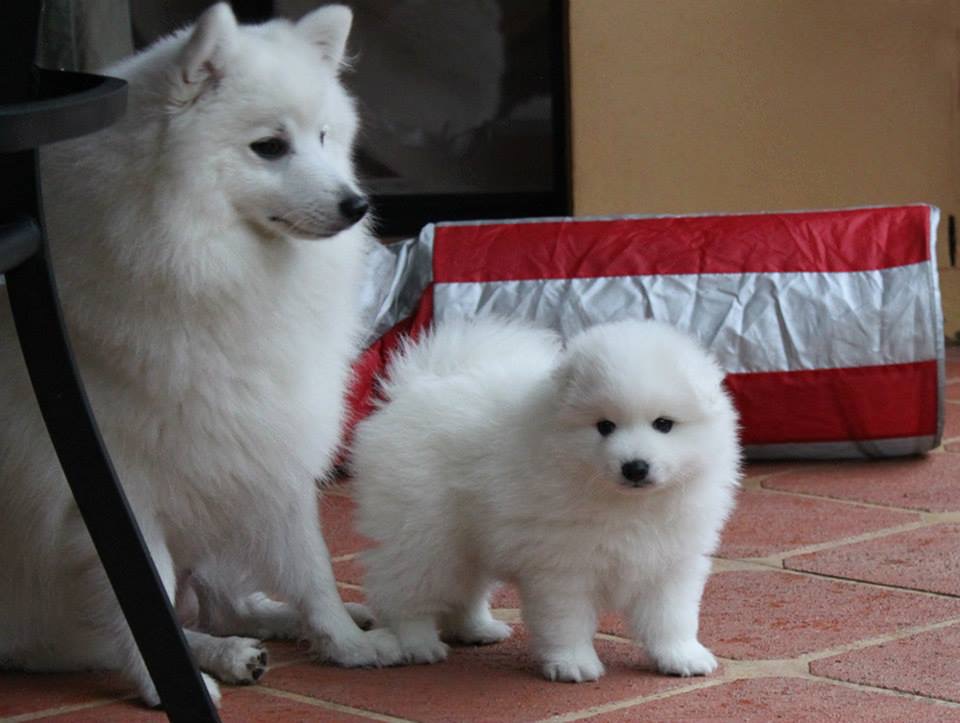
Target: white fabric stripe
column 852, row 449
column 753, row 322
column 397, row 276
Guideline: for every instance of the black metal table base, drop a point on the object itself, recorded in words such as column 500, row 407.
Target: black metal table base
column 38, row 107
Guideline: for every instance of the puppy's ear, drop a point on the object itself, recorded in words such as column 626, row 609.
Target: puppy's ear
column 203, row 60
column 708, row 383
column 327, row 27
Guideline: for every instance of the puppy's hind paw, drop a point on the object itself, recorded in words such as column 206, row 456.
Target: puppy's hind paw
column 573, row 667
column 424, row 652
column 686, row 659
column 485, row 632
column 370, row 649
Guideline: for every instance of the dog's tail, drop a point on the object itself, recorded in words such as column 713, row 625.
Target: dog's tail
column 462, row 346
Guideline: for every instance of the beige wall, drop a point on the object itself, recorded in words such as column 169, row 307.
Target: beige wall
column 744, row 105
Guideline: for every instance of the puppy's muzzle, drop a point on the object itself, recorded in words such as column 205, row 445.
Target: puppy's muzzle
column 635, row 473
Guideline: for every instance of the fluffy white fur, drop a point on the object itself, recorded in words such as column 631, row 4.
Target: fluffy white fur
column 210, row 295
column 486, row 464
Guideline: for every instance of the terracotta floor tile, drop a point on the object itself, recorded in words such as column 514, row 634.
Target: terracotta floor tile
column 758, row 469
column 788, row 699
column 239, row 705
column 506, row 596
column 952, row 391
column 493, row 683
column 953, row 362
column 282, row 651
column 924, row 664
column 336, row 515
column 923, row 559
column 757, row 615
column 350, row 571
column 951, row 427
column 351, row 594
column 765, row 523
column 924, row 483
column 28, row 692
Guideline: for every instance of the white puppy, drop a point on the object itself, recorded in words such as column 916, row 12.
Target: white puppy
column 209, row 249
column 594, row 477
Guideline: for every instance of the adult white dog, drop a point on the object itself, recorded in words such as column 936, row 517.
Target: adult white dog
column 209, row 251
column 594, row 477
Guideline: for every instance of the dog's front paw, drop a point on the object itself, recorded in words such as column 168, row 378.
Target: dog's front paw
column 370, row 649
column 573, row 666
column 685, row 659
column 240, row 661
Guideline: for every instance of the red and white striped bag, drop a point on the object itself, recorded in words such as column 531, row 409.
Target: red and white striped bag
column 827, row 322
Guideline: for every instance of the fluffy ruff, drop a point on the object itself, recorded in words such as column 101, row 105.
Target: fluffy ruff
column 593, row 477
column 209, row 250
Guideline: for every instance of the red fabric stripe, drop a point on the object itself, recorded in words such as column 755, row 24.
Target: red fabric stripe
column 847, row 240
column 373, row 362
column 828, row 405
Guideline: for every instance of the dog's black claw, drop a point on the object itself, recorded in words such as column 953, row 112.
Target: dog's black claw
column 257, row 673
column 263, row 658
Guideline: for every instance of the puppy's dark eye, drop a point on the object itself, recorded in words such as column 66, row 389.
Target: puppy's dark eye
column 662, row 424
column 605, row 427
column 270, row 148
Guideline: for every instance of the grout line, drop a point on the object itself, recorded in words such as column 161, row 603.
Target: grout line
column 60, row 710
column 328, row 705
column 862, row 643
column 778, row 557
column 865, row 583
column 741, row 564
column 864, row 687
column 844, row 501
column 630, row 702
column 870, row 583
column 344, row 557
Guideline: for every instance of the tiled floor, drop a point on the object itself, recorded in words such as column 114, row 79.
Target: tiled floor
column 835, row 596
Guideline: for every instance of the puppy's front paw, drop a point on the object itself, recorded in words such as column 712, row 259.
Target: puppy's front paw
column 573, row 666
column 370, row 649
column 685, row 659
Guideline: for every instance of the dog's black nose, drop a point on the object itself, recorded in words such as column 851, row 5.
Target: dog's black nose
column 635, row 471
column 354, row 207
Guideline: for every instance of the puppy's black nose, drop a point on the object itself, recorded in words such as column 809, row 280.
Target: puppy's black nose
column 353, row 208
column 635, row 471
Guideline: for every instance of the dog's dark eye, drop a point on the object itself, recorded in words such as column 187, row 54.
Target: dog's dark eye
column 662, row 424
column 605, row 427
column 270, row 148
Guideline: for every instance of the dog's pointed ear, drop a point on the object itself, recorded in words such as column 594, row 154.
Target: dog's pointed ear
column 327, row 27
column 203, row 60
